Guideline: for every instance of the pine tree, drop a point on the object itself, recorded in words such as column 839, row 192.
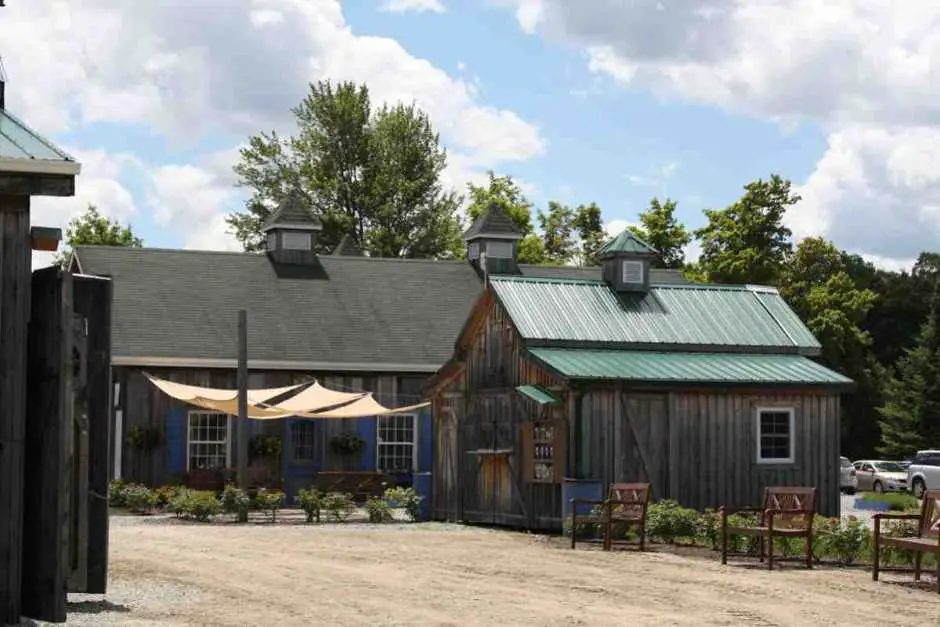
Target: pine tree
column 911, row 410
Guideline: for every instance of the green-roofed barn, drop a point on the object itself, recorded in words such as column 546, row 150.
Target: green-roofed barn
column 564, row 384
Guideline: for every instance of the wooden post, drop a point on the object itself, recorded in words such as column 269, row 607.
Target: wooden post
column 14, row 316
column 243, row 399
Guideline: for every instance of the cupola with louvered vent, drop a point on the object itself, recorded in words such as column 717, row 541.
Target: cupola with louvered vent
column 626, row 260
column 492, row 242
column 291, row 232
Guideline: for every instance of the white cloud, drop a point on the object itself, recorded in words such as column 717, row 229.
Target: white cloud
column 616, row 227
column 185, row 71
column 403, row 6
column 866, row 72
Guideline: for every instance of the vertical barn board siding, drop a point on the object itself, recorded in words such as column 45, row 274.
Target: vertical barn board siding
column 14, row 314
column 50, row 448
column 474, row 485
column 707, row 455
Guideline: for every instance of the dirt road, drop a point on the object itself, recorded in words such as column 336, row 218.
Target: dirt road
column 189, row 574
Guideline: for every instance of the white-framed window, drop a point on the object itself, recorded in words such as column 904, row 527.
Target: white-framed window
column 208, row 442
column 302, row 434
column 776, row 435
column 632, row 271
column 499, row 250
column 272, row 240
column 296, row 240
column 473, row 251
column 396, row 443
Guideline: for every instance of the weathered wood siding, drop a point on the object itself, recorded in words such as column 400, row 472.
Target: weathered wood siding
column 14, row 316
column 699, row 448
column 478, row 471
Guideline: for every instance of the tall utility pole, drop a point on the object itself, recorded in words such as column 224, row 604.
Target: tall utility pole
column 243, row 399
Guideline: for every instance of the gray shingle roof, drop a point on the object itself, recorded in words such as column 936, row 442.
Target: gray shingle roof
column 494, row 221
column 180, row 304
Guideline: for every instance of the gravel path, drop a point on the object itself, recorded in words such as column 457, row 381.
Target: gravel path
column 164, row 572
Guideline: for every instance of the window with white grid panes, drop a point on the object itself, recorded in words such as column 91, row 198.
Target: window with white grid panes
column 395, row 444
column 208, row 442
column 302, row 438
column 775, row 435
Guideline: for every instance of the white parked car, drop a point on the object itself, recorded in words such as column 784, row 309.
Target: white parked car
column 880, row 476
column 848, row 482
column 924, row 472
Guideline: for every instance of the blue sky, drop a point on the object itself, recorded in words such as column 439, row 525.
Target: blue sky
column 606, row 101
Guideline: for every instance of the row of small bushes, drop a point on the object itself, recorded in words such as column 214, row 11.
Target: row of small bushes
column 843, row 541
column 203, row 505
column 339, row 506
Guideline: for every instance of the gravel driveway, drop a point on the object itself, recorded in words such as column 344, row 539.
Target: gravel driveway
column 164, row 572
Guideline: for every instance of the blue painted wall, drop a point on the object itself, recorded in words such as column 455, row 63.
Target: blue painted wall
column 175, row 438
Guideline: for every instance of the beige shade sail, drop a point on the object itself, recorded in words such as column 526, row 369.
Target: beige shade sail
column 362, row 408
column 231, row 408
column 184, row 392
column 314, row 398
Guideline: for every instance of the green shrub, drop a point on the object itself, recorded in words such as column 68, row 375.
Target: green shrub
column 848, row 542
column 405, row 498
column 236, row 501
column 710, row 528
column 269, row 502
column 378, row 510
column 898, row 501
column 178, row 501
column 898, row 529
column 201, row 504
column 140, row 498
column 116, row 496
column 165, row 493
column 338, row 505
column 667, row 521
column 311, row 501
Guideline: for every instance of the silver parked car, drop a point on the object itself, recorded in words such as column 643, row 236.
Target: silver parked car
column 848, row 482
column 924, row 472
column 880, row 476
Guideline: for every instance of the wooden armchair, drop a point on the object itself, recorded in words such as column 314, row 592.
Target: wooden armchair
column 625, row 505
column 787, row 513
column 926, row 541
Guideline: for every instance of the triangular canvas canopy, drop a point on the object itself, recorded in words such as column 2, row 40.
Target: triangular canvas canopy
column 187, row 393
column 315, row 401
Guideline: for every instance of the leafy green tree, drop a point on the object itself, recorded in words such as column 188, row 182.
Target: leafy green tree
column 558, row 231
column 661, row 230
column 747, row 241
column 372, row 175
column 93, row 229
column 505, row 193
column 589, row 227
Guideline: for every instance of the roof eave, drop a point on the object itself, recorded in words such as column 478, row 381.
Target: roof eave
column 266, row 364
column 40, row 166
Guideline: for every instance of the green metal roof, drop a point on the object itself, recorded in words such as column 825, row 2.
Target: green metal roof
column 24, row 150
column 699, row 317
column 657, row 367
column 538, row 394
column 626, row 242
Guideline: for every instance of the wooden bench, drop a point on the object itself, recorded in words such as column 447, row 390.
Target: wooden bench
column 788, row 512
column 625, row 505
column 361, row 484
column 927, row 539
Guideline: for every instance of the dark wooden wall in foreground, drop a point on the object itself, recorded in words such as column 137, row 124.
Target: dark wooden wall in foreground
column 15, row 261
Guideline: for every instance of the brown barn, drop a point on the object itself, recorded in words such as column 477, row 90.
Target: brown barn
column 560, row 386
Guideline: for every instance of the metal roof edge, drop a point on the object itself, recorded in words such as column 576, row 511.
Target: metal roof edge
column 40, row 166
column 267, row 364
column 26, row 127
column 720, row 349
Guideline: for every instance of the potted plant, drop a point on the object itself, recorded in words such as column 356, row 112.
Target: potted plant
column 347, row 445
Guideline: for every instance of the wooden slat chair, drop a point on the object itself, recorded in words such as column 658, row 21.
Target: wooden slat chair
column 926, row 541
column 788, row 512
column 625, row 505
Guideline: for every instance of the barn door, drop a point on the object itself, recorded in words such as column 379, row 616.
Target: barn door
column 49, row 448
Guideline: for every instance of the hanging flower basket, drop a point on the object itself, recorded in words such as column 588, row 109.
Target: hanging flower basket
column 347, row 444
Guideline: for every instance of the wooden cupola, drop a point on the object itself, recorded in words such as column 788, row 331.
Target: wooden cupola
column 492, row 242
column 291, row 232
column 626, row 262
